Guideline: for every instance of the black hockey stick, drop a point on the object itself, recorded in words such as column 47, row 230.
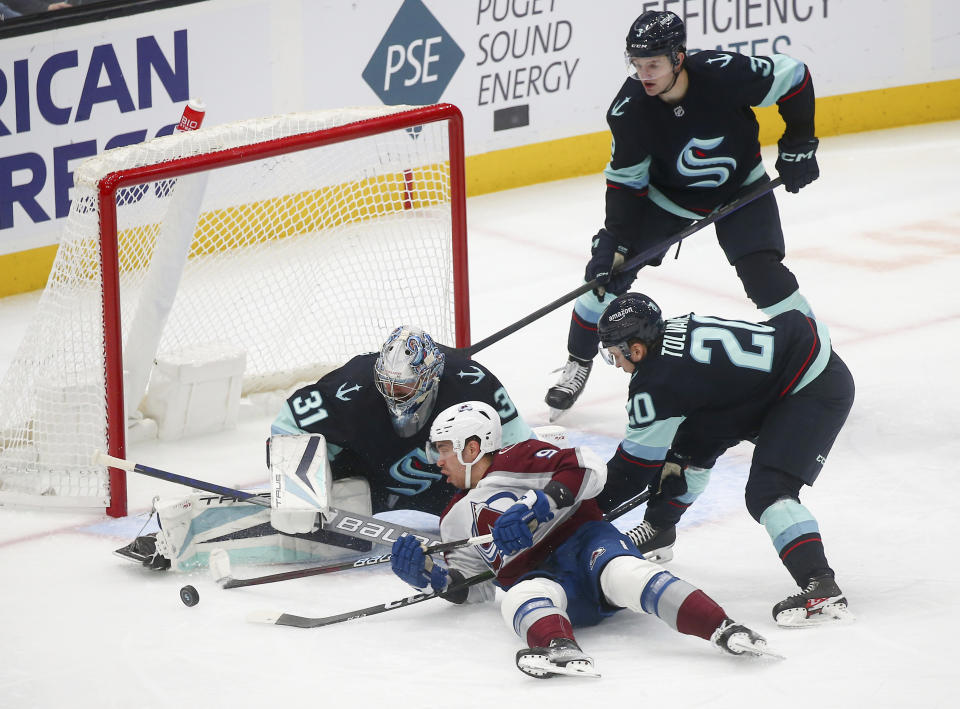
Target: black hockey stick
column 363, row 562
column 349, row 524
column 645, row 255
column 343, row 566
column 299, row 621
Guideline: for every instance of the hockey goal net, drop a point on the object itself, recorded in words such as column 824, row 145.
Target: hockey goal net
column 299, row 240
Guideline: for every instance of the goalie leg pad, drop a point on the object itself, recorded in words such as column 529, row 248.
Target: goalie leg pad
column 191, row 527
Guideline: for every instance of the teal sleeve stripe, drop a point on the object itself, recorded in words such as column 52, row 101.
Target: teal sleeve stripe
column 697, row 479
column 755, row 174
column 668, row 205
column 786, row 520
column 794, row 301
column 652, row 442
column 820, row 363
column 515, row 431
column 787, row 73
column 285, row 423
column 636, row 176
column 589, row 309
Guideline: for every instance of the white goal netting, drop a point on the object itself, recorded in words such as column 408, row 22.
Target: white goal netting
column 300, row 259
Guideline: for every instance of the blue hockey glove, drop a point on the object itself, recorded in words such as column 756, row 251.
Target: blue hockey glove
column 410, row 563
column 603, row 252
column 797, row 163
column 512, row 533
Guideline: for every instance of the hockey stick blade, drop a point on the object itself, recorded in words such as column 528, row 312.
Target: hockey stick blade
column 227, row 581
column 299, row 621
column 303, row 573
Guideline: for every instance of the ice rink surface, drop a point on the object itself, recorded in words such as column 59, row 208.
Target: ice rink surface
column 875, row 244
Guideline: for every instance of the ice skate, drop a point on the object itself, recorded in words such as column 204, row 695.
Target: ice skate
column 143, row 549
column 740, row 640
column 563, row 657
column 655, row 543
column 821, row 601
column 562, row 395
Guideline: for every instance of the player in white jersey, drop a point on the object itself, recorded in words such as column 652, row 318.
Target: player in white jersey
column 561, row 564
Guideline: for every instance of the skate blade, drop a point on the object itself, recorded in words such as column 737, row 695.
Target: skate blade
column 539, row 667
column 799, row 618
column 659, row 556
column 130, row 555
column 555, row 414
column 758, row 650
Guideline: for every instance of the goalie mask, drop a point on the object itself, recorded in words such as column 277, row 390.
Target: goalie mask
column 407, row 374
column 461, row 422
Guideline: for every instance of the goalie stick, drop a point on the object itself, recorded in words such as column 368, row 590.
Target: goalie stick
column 228, row 581
column 717, row 214
column 299, row 621
column 349, row 524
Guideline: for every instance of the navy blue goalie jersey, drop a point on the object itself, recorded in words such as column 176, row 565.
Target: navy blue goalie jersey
column 347, row 409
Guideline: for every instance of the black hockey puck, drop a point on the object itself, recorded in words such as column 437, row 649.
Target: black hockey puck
column 189, row 596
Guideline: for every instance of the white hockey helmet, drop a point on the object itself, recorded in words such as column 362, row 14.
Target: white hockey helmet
column 461, row 422
column 407, row 374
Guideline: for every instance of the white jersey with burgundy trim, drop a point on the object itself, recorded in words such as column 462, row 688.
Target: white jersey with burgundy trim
column 529, row 465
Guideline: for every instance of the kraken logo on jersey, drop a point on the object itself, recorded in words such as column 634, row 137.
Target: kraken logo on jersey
column 693, row 162
column 476, row 375
column 721, row 57
column 617, row 110
column 413, row 469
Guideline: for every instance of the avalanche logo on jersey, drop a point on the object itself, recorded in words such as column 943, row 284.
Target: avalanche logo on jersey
column 485, row 515
column 693, row 162
column 413, row 469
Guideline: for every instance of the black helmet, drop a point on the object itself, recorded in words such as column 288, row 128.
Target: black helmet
column 631, row 316
column 657, row 33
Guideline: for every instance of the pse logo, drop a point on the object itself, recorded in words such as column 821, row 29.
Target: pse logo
column 415, row 60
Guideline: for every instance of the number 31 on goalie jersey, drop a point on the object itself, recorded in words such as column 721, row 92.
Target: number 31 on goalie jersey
column 309, row 409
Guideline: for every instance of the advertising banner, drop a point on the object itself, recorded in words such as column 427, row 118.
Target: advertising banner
column 522, row 71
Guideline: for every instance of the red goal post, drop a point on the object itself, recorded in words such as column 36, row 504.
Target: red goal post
column 331, row 227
